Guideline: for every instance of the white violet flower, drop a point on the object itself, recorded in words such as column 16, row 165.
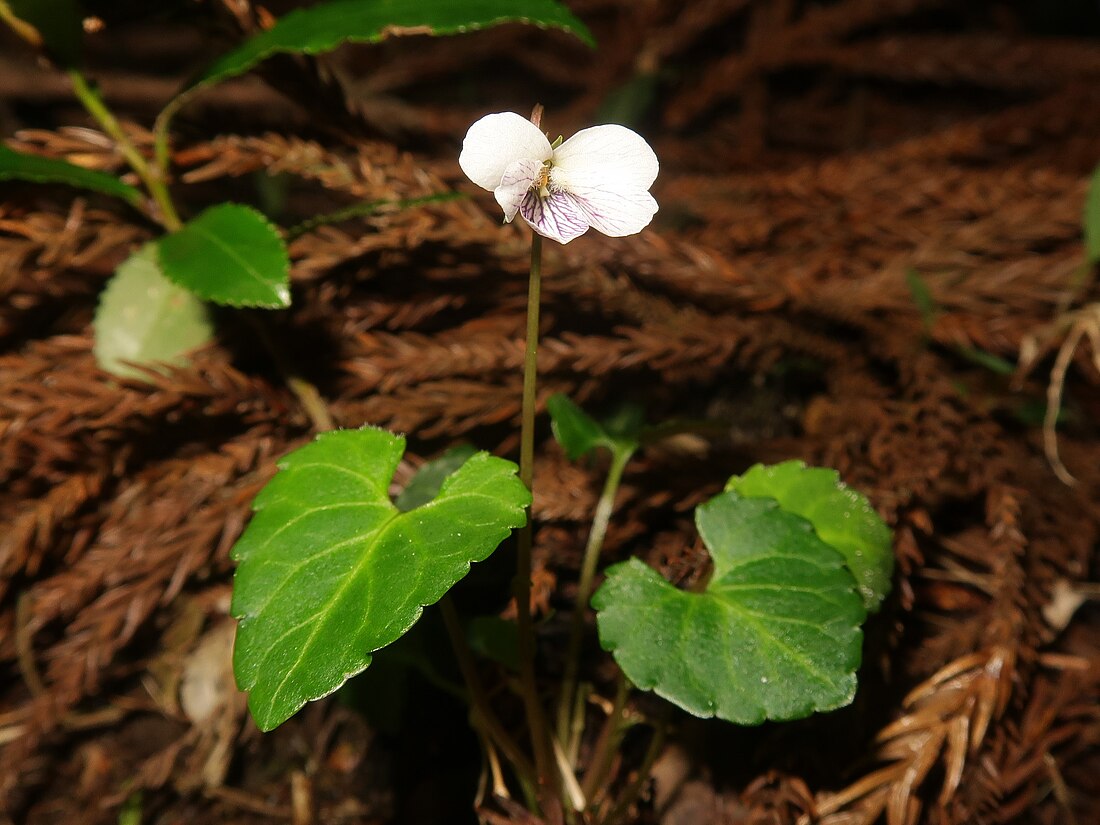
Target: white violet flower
column 598, row 178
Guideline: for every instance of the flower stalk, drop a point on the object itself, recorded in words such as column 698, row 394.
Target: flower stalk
column 536, row 720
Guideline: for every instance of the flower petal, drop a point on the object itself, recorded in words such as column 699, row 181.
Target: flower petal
column 516, row 183
column 610, row 156
column 497, row 141
column 615, row 212
column 557, row 217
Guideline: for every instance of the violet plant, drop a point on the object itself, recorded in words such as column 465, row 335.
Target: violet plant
column 332, row 569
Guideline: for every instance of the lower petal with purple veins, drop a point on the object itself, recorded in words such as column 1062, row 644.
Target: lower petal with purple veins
column 615, row 211
column 518, row 179
column 557, row 217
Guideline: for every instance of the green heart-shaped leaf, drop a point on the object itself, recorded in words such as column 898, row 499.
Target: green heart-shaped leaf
column 144, row 318
column 330, row 569
column 843, row 518
column 230, row 254
column 20, row 166
column 775, row 635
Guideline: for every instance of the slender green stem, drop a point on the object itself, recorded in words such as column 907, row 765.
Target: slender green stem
column 486, row 719
column 530, row 366
column 607, row 743
column 604, row 507
column 26, row 31
column 91, row 101
column 521, row 588
column 635, row 789
column 359, row 210
column 161, row 154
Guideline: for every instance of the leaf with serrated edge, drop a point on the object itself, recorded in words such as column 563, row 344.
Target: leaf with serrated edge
column 144, row 318
column 843, row 518
column 323, row 27
column 330, row 570
column 230, row 254
column 775, row 635
column 37, row 169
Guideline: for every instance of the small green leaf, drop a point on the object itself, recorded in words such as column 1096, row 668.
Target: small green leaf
column 19, row 166
column 496, row 639
column 229, row 254
column 1092, row 219
column 922, row 297
column 987, row 360
column 842, row 517
column 579, row 433
column 330, row 570
column 59, row 24
column 144, row 318
column 576, row 431
column 425, row 485
column 775, row 635
column 323, row 27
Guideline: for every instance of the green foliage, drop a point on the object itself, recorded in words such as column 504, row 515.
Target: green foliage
column 425, row 485
column 775, row 635
column 987, row 360
column 330, row 570
column 323, row 27
column 144, row 318
column 1092, row 219
column 842, row 517
column 922, row 297
column 231, row 255
column 19, row 166
column 496, row 639
column 59, row 24
column 579, row 433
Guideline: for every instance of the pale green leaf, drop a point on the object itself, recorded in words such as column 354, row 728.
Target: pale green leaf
column 230, row 254
column 37, row 169
column 321, row 28
column 146, row 319
column 775, row 635
column 330, row 570
column 843, row 518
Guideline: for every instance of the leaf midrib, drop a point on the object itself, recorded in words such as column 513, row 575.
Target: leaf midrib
column 372, row 540
column 198, row 229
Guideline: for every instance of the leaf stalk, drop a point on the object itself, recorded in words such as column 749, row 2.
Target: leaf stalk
column 153, row 182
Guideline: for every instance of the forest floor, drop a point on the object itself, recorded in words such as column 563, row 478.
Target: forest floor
column 870, row 217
